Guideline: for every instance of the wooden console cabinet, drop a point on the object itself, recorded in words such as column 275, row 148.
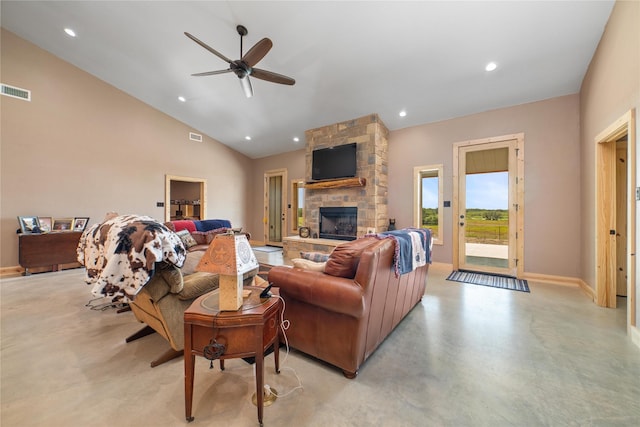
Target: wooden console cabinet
column 48, row 250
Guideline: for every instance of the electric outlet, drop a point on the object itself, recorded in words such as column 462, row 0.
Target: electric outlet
column 160, row 204
column 637, row 193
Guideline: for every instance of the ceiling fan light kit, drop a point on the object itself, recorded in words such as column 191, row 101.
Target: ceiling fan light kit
column 244, row 67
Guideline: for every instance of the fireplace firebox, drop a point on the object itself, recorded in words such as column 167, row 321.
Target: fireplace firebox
column 339, row 223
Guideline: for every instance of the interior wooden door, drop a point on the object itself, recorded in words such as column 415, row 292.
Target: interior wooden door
column 621, row 217
column 274, row 206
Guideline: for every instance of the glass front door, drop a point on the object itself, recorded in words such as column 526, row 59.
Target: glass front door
column 487, row 208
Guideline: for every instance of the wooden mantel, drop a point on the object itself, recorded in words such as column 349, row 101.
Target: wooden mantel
column 336, row 183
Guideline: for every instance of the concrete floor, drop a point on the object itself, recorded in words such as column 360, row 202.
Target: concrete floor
column 465, row 356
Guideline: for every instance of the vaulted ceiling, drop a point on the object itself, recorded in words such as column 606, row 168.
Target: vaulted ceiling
column 349, row 59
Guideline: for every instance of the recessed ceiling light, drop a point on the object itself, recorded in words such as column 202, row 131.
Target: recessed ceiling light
column 182, row 99
column 248, row 138
column 70, row 32
column 296, row 139
column 402, row 113
column 491, row 66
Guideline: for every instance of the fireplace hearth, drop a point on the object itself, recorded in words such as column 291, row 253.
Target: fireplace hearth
column 339, row 223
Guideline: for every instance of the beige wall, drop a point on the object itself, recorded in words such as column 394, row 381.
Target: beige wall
column 611, row 87
column 82, row 148
column 552, row 176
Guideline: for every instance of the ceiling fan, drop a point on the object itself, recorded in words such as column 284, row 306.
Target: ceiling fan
column 244, row 67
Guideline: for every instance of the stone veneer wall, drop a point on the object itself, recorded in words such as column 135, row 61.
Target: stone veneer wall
column 371, row 135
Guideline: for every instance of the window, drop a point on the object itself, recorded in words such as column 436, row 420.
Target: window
column 428, row 204
column 297, row 204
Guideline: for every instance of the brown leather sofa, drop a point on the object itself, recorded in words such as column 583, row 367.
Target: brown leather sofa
column 343, row 314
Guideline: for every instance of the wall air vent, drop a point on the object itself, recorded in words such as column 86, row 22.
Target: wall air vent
column 16, row 92
column 195, row 137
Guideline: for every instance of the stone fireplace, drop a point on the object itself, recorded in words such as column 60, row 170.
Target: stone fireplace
column 366, row 194
column 370, row 199
column 338, row 223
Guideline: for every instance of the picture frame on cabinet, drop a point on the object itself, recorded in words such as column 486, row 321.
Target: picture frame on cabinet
column 45, row 223
column 29, row 224
column 80, row 223
column 62, row 224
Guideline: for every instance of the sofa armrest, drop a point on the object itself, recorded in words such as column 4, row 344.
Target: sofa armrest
column 198, row 283
column 332, row 293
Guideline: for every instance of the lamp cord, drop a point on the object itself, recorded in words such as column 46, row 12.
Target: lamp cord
column 285, row 324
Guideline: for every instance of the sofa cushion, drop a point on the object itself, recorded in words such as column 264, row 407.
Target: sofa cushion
column 308, row 264
column 343, row 261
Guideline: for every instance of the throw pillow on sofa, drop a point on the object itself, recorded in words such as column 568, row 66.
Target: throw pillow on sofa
column 314, row 256
column 344, row 260
column 187, row 240
column 308, row 264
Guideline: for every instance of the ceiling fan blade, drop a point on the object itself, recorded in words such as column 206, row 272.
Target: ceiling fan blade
column 209, row 48
column 246, row 86
column 257, row 52
column 271, row 77
column 212, row 73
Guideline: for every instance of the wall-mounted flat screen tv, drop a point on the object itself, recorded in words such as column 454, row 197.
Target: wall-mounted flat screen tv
column 334, row 162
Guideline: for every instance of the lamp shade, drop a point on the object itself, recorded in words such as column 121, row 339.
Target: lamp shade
column 228, row 254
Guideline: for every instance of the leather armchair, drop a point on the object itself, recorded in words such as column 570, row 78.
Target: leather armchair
column 161, row 304
column 162, row 301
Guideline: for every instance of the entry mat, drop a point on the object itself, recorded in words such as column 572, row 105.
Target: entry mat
column 266, row 248
column 484, row 279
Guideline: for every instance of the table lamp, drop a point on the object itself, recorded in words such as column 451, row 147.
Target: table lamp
column 230, row 256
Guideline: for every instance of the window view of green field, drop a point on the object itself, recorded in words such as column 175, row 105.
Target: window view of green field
column 487, row 214
column 430, row 203
column 489, row 226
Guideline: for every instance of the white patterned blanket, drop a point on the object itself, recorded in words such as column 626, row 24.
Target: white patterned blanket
column 120, row 254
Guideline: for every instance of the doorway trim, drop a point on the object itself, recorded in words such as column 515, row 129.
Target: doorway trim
column 519, row 196
column 605, row 190
column 167, row 194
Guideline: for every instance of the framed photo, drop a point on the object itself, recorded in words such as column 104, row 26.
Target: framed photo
column 45, row 223
column 29, row 223
column 80, row 223
column 62, row 224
